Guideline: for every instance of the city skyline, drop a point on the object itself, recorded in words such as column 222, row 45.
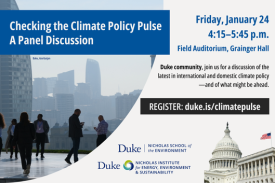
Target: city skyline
column 124, row 77
column 57, row 106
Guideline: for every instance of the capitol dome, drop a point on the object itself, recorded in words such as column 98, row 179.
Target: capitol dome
column 226, row 154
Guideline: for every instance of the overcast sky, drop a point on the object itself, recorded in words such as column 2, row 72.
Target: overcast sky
column 125, row 72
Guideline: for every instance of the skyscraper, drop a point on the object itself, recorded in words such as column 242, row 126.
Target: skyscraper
column 40, row 88
column 124, row 105
column 69, row 77
column 61, row 87
column 93, row 77
column 82, row 94
column 65, row 104
column 15, row 80
column 50, row 84
column 8, row 5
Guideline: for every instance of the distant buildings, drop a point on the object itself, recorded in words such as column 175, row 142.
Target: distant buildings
column 51, row 83
column 113, row 124
column 124, row 104
column 15, row 80
column 59, row 138
column 93, row 77
column 69, row 77
column 65, row 104
column 61, row 87
column 104, row 105
column 40, row 87
column 43, row 103
column 135, row 92
column 83, row 94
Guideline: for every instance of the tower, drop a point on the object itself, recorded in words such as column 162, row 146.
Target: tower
column 69, row 78
column 93, row 77
column 15, row 80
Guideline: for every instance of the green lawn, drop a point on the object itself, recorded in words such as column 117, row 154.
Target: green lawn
column 61, row 151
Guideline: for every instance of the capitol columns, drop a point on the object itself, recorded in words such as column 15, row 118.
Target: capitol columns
column 263, row 166
column 238, row 173
column 272, row 165
column 255, row 169
column 242, row 169
column 268, row 166
column 260, row 168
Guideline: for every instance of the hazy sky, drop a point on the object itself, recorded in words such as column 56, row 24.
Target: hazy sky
column 126, row 72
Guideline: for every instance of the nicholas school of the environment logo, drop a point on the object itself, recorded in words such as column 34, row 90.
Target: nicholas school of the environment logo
column 128, row 165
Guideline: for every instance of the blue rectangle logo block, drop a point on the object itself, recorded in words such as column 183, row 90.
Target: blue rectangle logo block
column 102, row 32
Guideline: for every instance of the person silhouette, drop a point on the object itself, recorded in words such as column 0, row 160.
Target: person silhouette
column 24, row 134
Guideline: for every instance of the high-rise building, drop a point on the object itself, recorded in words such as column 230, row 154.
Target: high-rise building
column 93, row 77
column 61, row 87
column 136, row 92
column 43, row 103
column 124, row 104
column 69, row 77
column 82, row 95
column 65, row 104
column 51, row 83
column 40, row 88
column 8, row 5
column 15, row 80
column 113, row 124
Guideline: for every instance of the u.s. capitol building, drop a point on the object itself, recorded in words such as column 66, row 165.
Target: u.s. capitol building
column 228, row 166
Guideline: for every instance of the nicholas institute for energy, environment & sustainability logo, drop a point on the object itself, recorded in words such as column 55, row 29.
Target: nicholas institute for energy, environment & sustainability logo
column 128, row 165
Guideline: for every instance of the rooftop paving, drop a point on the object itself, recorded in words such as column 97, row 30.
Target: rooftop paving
column 11, row 169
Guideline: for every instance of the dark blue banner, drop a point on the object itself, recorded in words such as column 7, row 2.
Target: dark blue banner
column 103, row 32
